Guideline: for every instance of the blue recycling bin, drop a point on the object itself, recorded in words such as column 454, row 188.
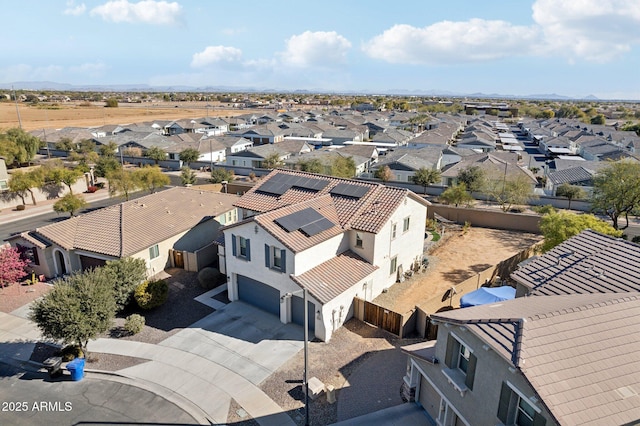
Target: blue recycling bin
column 76, row 368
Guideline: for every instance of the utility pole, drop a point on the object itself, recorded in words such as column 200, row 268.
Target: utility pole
column 15, row 97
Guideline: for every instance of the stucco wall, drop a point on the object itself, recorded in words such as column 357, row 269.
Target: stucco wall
column 488, row 218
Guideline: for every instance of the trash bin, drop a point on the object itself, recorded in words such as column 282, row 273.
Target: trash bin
column 76, row 368
column 53, row 365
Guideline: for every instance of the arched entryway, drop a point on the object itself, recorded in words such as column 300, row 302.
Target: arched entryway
column 61, row 266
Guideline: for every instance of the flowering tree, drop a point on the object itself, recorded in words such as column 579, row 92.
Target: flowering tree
column 12, row 267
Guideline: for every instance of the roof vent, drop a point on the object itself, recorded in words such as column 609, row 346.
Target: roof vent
column 626, row 392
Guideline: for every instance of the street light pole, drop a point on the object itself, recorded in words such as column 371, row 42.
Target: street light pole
column 306, row 358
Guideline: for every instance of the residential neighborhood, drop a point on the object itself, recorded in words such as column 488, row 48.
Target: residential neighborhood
column 226, row 240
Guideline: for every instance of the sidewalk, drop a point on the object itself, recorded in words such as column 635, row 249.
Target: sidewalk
column 46, row 206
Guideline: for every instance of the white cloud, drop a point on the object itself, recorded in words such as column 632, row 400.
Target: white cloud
column 450, row 42
column 96, row 69
column 146, row 11
column 74, row 10
column 215, row 55
column 24, row 72
column 595, row 30
column 320, row 48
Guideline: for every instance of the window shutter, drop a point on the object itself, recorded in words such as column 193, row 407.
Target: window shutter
column 448, row 358
column 471, row 371
column 248, row 249
column 233, row 245
column 267, row 255
column 538, row 420
column 503, row 405
column 283, row 260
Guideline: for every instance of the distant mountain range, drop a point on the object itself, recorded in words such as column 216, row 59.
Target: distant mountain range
column 50, row 85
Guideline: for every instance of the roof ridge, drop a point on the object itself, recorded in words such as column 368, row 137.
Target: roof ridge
column 121, row 229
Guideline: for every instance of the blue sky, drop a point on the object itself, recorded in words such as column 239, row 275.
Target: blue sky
column 569, row 47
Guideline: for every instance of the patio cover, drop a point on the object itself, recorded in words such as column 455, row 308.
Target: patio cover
column 485, row 295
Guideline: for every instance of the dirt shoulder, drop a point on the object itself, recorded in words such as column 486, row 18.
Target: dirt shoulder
column 461, row 256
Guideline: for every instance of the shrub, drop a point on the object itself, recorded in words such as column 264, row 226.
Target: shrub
column 134, row 323
column 91, row 189
column 71, row 352
column 209, row 278
column 431, row 224
column 21, row 207
column 151, row 294
column 219, row 175
column 252, row 177
column 636, row 239
column 547, row 208
column 100, row 185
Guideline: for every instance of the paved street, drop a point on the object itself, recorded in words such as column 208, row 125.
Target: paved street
column 32, row 399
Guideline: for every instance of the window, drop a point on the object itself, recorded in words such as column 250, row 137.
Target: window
column 241, row 247
column 461, row 363
column 394, row 228
column 358, row 240
column 154, row 252
column 405, row 224
column 275, row 258
column 394, row 265
column 514, row 408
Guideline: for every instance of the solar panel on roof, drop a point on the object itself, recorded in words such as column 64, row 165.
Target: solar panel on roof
column 316, row 227
column 309, row 221
column 349, row 190
column 276, row 188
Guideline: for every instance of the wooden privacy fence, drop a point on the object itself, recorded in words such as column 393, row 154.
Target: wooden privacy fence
column 378, row 316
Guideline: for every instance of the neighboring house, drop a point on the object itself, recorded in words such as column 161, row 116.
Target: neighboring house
column 4, row 176
column 234, row 144
column 541, row 361
column 255, row 157
column 174, row 227
column 336, row 238
column 495, row 166
column 263, row 134
column 405, row 162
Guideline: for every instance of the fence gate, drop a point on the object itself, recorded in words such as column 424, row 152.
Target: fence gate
column 380, row 317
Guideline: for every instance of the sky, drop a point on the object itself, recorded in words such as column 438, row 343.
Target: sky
column 569, row 47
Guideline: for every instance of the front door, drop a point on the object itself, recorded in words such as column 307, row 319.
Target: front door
column 62, row 267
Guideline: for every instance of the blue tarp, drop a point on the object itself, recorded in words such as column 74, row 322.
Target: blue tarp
column 485, row 295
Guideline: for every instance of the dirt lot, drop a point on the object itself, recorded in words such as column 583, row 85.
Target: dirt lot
column 461, row 256
column 74, row 114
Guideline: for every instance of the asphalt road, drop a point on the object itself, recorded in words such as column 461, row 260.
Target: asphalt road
column 33, row 399
column 31, row 223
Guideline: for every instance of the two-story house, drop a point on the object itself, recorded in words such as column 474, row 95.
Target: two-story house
column 336, row 238
column 534, row 361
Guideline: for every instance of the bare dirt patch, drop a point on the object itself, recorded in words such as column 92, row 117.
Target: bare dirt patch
column 461, row 256
column 17, row 295
column 78, row 115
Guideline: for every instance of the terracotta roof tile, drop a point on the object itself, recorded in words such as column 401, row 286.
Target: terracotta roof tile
column 130, row 227
column 333, row 277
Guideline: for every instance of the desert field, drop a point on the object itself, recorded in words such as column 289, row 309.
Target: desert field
column 73, row 114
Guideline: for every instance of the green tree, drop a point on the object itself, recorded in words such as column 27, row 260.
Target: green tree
column 125, row 275
column 473, row 178
column 272, row 161
column 111, row 103
column 560, row 226
column 188, row 176
column 425, row 177
column 311, row 166
column 156, row 153
column 189, row 155
column 65, row 144
column 509, row 190
column 344, row 167
column 384, row 174
column 123, row 183
column 108, row 150
column 18, row 146
column 64, row 175
column 598, row 119
column 569, row 192
column 78, row 308
column 456, row 195
column 151, row 178
column 616, row 191
column 219, row 175
column 106, row 165
column 70, row 203
column 547, row 113
column 24, row 183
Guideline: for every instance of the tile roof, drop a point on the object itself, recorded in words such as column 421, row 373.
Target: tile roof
column 130, row 227
column 368, row 213
column 578, row 352
column 572, row 175
column 586, row 263
column 333, row 277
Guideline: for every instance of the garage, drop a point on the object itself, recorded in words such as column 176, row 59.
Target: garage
column 259, row 295
column 297, row 312
column 87, row 262
column 429, row 398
